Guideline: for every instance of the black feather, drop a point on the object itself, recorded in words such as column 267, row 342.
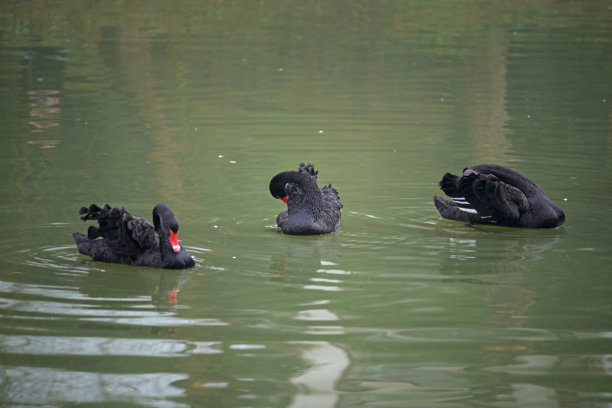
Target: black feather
column 492, row 194
column 310, row 210
column 131, row 240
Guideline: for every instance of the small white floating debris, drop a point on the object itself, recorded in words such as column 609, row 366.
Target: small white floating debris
column 281, row 69
column 215, row 226
column 320, row 131
column 220, row 156
column 565, row 199
column 232, row 161
column 233, row 257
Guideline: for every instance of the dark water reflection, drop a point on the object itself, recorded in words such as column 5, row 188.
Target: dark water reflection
column 199, row 104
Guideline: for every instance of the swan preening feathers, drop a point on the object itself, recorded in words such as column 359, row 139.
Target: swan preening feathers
column 483, row 194
column 310, row 210
column 497, row 195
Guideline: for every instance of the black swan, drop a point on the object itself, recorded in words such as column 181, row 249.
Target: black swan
column 492, row 194
column 132, row 240
column 310, row 210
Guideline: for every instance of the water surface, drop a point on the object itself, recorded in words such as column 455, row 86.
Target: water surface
column 200, row 105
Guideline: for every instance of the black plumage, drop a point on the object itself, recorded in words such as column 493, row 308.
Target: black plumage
column 310, row 210
column 122, row 238
column 492, row 194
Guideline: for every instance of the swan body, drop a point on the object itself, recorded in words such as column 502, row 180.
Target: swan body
column 492, row 194
column 132, row 240
column 310, row 210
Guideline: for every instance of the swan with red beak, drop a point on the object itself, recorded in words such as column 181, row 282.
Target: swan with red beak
column 310, row 210
column 123, row 238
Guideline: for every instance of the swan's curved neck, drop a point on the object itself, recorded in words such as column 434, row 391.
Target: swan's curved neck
column 166, row 227
column 312, row 198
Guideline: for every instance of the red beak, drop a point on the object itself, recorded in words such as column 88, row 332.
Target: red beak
column 176, row 247
column 284, row 199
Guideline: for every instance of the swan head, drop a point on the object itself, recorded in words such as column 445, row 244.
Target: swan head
column 166, row 225
column 277, row 186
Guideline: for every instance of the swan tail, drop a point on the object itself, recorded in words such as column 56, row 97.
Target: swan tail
column 94, row 248
column 82, row 243
column 451, row 185
column 451, row 210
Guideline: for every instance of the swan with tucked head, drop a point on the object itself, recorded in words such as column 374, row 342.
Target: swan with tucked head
column 492, row 194
column 310, row 210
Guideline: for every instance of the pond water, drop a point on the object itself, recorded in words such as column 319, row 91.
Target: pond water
column 199, row 104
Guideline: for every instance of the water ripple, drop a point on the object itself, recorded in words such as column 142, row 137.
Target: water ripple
column 22, row 385
column 103, row 346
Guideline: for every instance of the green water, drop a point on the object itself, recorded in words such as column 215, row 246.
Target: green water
column 200, row 104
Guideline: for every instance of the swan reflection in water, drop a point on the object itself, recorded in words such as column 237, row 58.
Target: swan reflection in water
column 23, row 385
column 317, row 387
column 162, row 287
column 499, row 258
column 310, row 261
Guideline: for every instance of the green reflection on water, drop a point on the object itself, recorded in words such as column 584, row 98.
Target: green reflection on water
column 199, row 104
